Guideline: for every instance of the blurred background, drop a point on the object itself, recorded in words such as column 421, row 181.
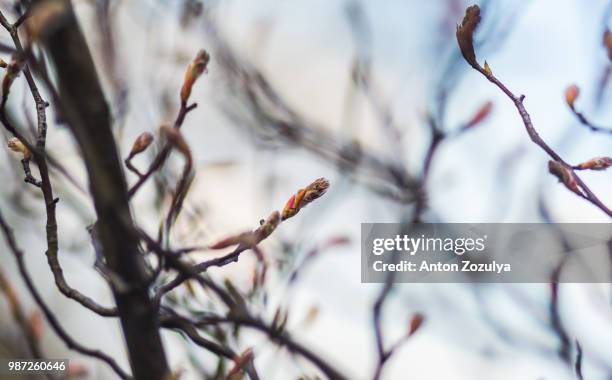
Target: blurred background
column 346, row 90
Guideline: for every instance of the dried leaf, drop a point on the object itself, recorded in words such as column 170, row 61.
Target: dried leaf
column 465, row 33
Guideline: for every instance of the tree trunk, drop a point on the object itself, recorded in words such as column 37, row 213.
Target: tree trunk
column 84, row 108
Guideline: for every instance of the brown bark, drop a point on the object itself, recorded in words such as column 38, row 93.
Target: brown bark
column 85, row 110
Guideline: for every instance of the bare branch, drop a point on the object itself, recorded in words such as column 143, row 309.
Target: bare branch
column 571, row 94
column 40, row 157
column 472, row 15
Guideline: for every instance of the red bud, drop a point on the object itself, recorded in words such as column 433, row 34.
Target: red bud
column 480, row 115
column 571, row 94
column 141, row 143
column 597, row 163
column 304, row 196
column 194, row 70
column 415, row 323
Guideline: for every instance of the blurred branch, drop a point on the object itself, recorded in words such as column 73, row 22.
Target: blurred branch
column 578, row 362
column 238, row 313
column 383, row 353
column 555, row 318
column 362, row 78
column 19, row 316
column 275, row 334
column 51, row 318
column 267, row 109
column 176, row 141
column 584, row 121
column 571, row 94
column 185, row 326
column 249, row 240
column 7, row 49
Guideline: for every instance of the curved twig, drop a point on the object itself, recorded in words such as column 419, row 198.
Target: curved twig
column 464, row 38
column 588, row 124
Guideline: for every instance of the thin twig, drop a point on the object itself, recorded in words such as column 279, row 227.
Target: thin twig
column 383, row 354
column 29, row 178
column 578, row 363
column 280, row 336
column 239, row 313
column 40, row 158
column 535, row 137
column 163, row 155
column 132, row 168
column 216, row 262
column 185, row 326
column 588, row 124
column 269, row 110
column 555, row 318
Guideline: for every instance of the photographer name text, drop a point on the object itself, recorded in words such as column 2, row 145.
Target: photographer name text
column 411, row 246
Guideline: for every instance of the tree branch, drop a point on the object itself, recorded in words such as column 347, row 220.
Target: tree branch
column 40, row 157
column 464, row 38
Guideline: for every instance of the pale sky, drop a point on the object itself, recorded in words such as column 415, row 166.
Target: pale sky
column 305, row 47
